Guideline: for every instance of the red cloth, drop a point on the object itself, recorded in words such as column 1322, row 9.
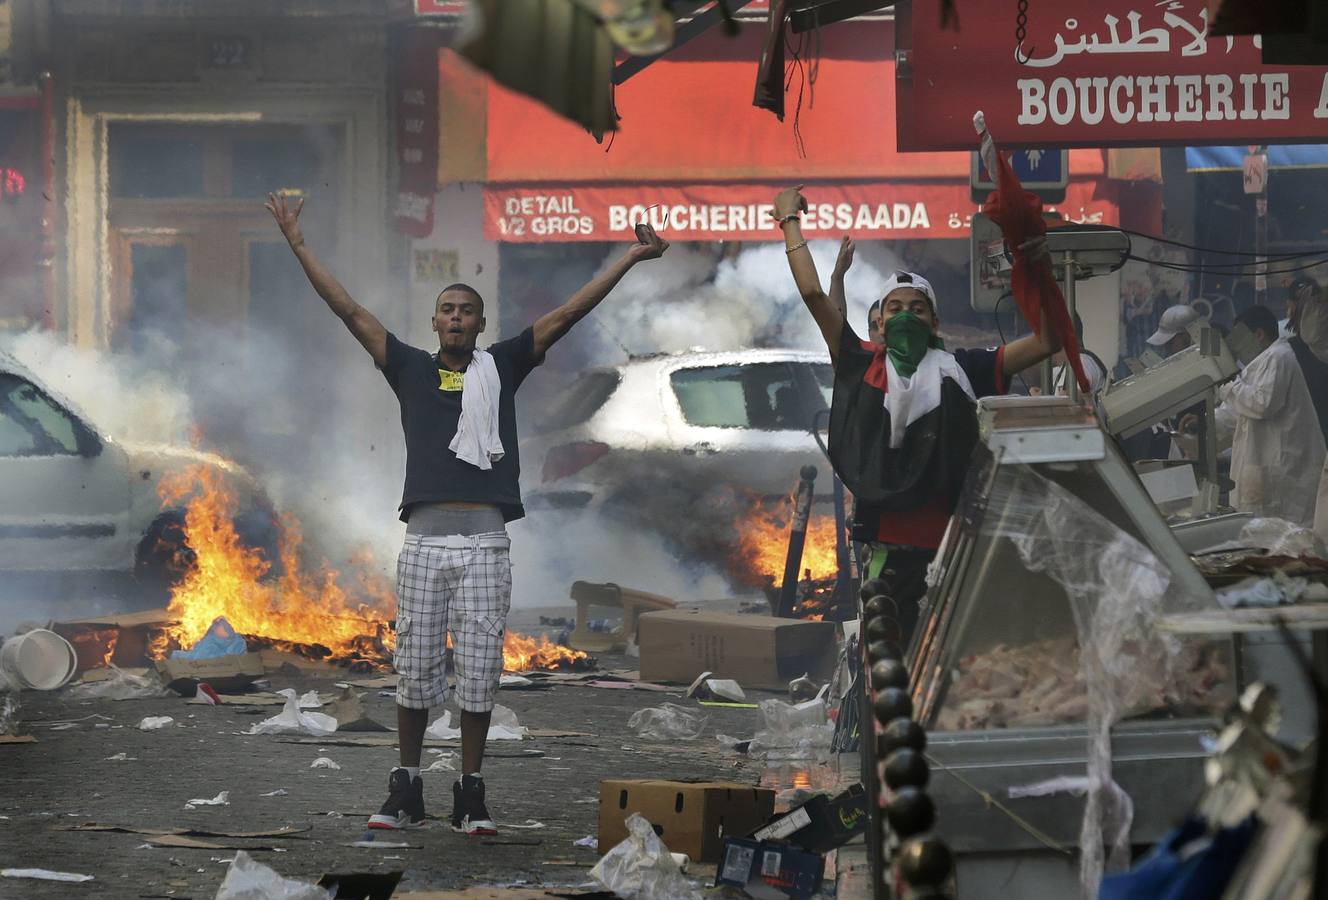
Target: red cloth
column 922, row 527
column 1019, row 214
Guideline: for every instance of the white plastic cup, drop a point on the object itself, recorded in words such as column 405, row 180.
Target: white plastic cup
column 38, row 660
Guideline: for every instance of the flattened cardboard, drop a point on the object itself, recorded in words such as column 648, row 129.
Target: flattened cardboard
column 227, row 674
column 690, row 817
column 768, row 869
column 677, row 645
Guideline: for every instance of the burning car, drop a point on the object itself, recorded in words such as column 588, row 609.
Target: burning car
column 75, row 501
column 703, row 448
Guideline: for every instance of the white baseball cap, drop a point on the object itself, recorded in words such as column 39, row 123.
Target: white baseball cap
column 1175, row 320
column 910, row 280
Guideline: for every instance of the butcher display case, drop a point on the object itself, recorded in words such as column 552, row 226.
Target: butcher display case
column 1037, row 671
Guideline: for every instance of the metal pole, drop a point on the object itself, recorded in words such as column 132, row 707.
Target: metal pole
column 802, row 510
column 1261, row 240
column 843, row 596
column 1070, row 380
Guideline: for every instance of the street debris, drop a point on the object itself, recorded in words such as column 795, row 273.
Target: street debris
column 284, row 831
column 222, row 799
column 442, row 764
column 707, row 688
column 803, row 689
column 502, row 727
column 793, row 731
column 233, row 674
column 121, row 685
column 310, row 700
column 762, row 868
column 641, row 867
column 514, row 682
column 323, row 763
column 669, row 722
column 689, row 816
column 122, row 757
column 220, row 640
column 154, row 723
column 757, row 651
column 45, row 875
column 247, row 879
column 291, row 720
column 37, row 660
column 372, row 844
column 279, row 792
column 348, row 709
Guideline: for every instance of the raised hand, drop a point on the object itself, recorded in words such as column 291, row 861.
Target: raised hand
column 845, row 259
column 288, row 220
column 652, row 247
column 790, row 201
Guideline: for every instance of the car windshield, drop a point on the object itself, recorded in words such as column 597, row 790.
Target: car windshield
column 762, row 396
column 581, row 400
column 31, row 424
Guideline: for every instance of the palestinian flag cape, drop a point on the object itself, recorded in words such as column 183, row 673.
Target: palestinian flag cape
column 899, row 443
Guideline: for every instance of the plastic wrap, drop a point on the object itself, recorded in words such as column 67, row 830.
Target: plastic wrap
column 1282, row 538
column 1116, row 588
column 792, row 731
column 642, row 868
column 121, row 685
column 292, row 720
column 248, row 879
column 669, row 722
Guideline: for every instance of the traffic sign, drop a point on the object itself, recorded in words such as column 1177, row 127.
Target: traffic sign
column 1042, row 172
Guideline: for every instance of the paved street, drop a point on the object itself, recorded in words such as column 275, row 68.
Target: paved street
column 66, row 779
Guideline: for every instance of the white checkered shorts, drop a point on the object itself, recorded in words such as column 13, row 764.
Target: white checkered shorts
column 461, row 584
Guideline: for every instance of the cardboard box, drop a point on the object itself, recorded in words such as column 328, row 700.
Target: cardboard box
column 767, row 869
column 822, row 823
column 228, row 674
column 756, row 651
column 690, row 817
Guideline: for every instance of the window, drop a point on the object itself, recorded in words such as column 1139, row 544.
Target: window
column 31, row 424
column 825, row 381
column 146, row 164
column 580, row 401
column 763, row 396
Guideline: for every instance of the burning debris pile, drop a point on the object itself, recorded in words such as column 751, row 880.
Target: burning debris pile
column 284, row 606
column 762, row 550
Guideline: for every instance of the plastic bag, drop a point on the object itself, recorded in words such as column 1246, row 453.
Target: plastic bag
column 793, row 730
column 121, row 685
column 669, row 722
column 220, row 640
column 8, row 711
column 503, row 726
column 291, row 720
column 248, row 879
column 642, row 868
column 1282, row 538
column 154, row 723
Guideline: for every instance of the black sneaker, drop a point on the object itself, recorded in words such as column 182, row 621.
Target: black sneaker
column 469, row 814
column 405, row 802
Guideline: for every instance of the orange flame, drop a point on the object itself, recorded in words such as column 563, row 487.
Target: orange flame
column 230, row 579
column 227, row 579
column 763, row 539
column 522, row 653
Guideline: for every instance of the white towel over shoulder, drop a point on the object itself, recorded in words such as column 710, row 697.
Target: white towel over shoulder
column 477, row 441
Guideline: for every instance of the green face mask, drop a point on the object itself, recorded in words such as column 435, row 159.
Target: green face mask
column 907, row 339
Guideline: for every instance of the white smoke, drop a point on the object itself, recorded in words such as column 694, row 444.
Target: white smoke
column 695, row 299
column 121, row 396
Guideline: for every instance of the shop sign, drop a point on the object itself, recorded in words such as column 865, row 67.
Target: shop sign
column 744, row 212
column 1097, row 73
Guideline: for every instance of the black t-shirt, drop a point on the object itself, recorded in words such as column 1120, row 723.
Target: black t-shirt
column 430, row 401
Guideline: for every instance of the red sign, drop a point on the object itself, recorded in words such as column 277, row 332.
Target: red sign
column 743, row 212
column 1097, row 73
column 417, row 133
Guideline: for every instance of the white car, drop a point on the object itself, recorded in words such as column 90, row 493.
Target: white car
column 684, row 424
column 75, row 502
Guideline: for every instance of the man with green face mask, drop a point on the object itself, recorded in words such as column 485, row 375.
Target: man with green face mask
column 903, row 421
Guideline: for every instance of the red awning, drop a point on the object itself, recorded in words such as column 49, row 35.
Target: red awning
column 692, row 145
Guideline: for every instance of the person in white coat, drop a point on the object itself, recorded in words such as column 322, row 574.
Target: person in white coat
column 1267, row 415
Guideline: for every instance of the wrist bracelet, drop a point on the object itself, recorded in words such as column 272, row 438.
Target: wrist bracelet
column 798, row 246
column 784, row 220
